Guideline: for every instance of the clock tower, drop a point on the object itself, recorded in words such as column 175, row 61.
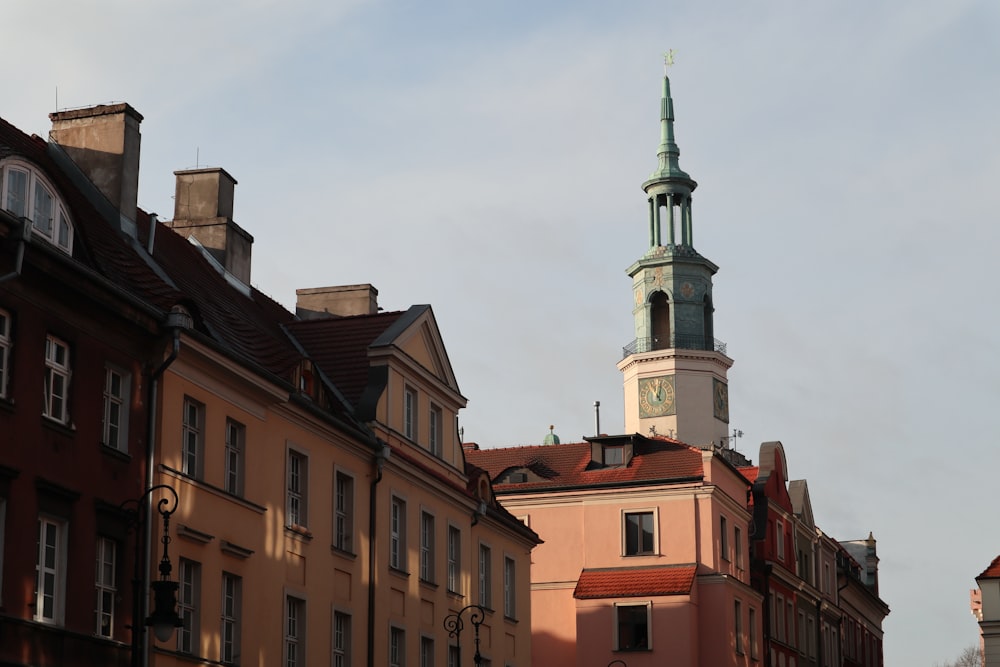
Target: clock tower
column 675, row 370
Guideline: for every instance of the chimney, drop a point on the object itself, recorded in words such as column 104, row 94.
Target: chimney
column 203, row 209
column 103, row 141
column 317, row 302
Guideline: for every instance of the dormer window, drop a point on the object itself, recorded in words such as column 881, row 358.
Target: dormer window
column 614, row 455
column 26, row 193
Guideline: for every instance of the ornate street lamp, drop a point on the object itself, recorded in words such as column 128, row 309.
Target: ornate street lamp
column 454, row 625
column 164, row 618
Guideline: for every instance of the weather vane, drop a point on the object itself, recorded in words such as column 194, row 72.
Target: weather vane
column 668, row 59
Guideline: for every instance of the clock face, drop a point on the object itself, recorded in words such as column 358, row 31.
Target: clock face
column 656, row 396
column 721, row 394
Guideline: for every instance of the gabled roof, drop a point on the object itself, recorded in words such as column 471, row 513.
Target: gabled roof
column 569, row 465
column 629, row 582
column 992, row 571
column 339, row 345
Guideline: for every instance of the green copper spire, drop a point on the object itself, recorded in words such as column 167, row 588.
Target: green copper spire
column 668, row 152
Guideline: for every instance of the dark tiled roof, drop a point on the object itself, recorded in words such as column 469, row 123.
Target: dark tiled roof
column 569, row 464
column 339, row 346
column 627, row 582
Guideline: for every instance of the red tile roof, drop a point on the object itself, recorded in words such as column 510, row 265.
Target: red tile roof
column 569, row 465
column 993, row 571
column 629, row 582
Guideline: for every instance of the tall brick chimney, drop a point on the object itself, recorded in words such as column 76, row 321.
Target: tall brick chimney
column 103, row 141
column 203, row 209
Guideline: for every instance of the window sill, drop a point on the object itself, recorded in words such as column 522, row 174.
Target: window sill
column 428, row 584
column 399, row 573
column 343, row 553
column 56, row 425
column 509, row 619
column 298, row 532
column 115, row 453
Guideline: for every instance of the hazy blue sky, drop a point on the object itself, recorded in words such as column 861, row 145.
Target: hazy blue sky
column 487, row 158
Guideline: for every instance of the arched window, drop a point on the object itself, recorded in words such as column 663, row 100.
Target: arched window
column 659, row 321
column 27, row 193
column 707, row 321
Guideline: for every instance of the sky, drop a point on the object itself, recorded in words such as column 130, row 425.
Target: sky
column 487, row 158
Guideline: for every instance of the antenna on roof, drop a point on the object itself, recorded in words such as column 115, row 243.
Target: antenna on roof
column 727, row 440
column 597, row 417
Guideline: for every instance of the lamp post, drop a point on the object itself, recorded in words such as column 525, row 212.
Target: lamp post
column 454, row 624
column 164, row 618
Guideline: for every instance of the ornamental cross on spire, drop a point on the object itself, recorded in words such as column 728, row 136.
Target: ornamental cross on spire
column 668, row 59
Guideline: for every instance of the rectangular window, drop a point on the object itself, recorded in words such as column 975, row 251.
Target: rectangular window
column 724, row 538
column 343, row 506
column 752, row 627
column 57, row 375
column 454, row 558
column 509, row 588
column 397, row 647
column 236, row 434
column 50, row 570
column 738, row 625
column 453, row 656
column 410, row 413
column 17, row 192
column 5, row 345
column 791, row 623
column 738, row 547
column 435, row 424
column 779, row 539
column 188, row 604
column 639, row 533
column 632, row 627
column 105, row 579
column 397, row 534
column 485, row 577
column 232, row 594
column 296, row 488
column 42, row 217
column 341, row 639
column 193, row 437
column 802, row 632
column 295, row 632
column 811, row 636
column 426, row 652
column 779, row 624
column 116, row 390
column 426, row 547
column 614, row 456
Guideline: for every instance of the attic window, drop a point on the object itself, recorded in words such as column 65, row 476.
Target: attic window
column 614, row 455
column 26, row 193
column 519, row 476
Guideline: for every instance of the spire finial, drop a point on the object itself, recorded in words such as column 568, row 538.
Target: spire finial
column 668, row 60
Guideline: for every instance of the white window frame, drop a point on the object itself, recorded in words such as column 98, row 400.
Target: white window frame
column 116, row 413
column 427, row 544
column 189, row 606
column 397, row 533
column 343, row 511
column 410, row 402
column 58, row 374
column 485, row 571
column 341, row 641
column 57, row 228
column 616, row 626
column 192, row 437
column 454, row 559
column 435, row 424
column 509, row 587
column 50, row 570
column 295, row 631
column 296, row 488
column 738, row 547
column 105, row 583
column 6, row 344
column 654, row 514
column 397, row 646
column 231, row 625
column 236, row 439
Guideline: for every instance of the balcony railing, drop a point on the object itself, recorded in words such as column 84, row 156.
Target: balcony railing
column 679, row 341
